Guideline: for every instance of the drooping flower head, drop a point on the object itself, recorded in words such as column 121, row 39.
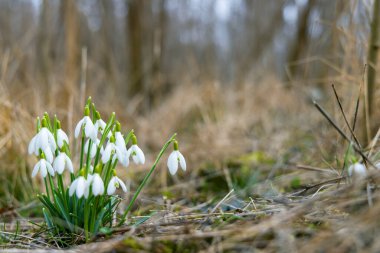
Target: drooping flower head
column 115, row 183
column 95, row 182
column 79, row 186
column 357, row 170
column 86, row 124
column 136, row 153
column 43, row 140
column 43, row 166
column 112, row 149
column 174, row 159
column 61, row 136
column 62, row 162
column 100, row 125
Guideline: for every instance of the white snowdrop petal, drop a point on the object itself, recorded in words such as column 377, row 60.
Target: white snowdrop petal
column 43, row 171
column 36, row 169
column 125, row 158
column 50, row 169
column 73, row 187
column 121, row 183
column 48, row 154
column 61, row 138
column 97, row 185
column 140, row 155
column 43, row 141
column 120, row 143
column 107, row 153
column 51, row 140
column 78, row 128
column 59, row 163
column 81, row 187
column 111, row 187
column 182, row 161
column 173, row 163
column 43, row 167
column 86, row 192
column 357, row 170
column 69, row 164
column 93, row 151
column 32, row 144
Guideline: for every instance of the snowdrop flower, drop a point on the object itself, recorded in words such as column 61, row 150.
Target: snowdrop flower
column 61, row 162
column 110, row 149
column 115, row 183
column 43, row 166
column 61, row 136
column 94, row 147
column 119, row 141
column 80, row 187
column 136, row 153
column 174, row 158
column 49, row 154
column 357, row 170
column 97, row 184
column 42, row 140
column 89, row 128
column 100, row 125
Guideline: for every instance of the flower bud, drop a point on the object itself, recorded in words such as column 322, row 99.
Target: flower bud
column 118, row 126
column 175, row 145
column 134, row 139
column 86, row 111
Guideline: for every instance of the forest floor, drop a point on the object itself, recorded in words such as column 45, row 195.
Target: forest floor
column 264, row 175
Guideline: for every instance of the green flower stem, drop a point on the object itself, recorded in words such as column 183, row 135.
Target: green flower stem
column 47, row 188
column 141, row 186
column 86, row 210
column 62, row 191
column 82, row 151
column 51, row 184
column 88, row 158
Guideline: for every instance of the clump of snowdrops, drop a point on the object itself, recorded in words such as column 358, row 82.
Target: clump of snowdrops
column 82, row 198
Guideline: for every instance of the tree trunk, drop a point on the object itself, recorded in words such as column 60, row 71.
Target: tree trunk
column 374, row 43
column 72, row 49
column 134, row 27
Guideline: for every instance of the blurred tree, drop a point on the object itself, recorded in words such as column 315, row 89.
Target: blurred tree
column 374, row 44
column 301, row 39
column 72, row 47
column 134, row 30
column 159, row 34
column 43, row 47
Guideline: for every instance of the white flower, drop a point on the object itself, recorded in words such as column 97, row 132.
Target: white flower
column 61, row 162
column 174, row 158
column 358, row 170
column 114, row 183
column 93, row 148
column 43, row 166
column 49, row 154
column 42, row 140
column 32, row 146
column 121, row 156
column 80, row 187
column 89, row 128
column 100, row 125
column 137, row 154
column 119, row 142
column 61, row 138
column 97, row 184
